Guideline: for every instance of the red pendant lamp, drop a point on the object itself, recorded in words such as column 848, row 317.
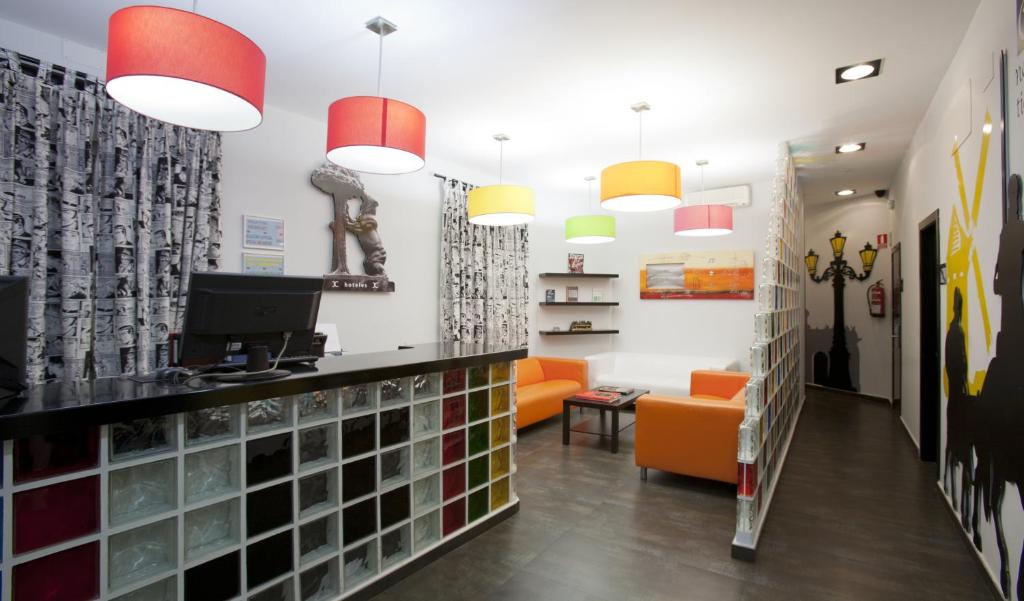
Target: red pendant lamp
column 702, row 220
column 374, row 134
column 185, row 69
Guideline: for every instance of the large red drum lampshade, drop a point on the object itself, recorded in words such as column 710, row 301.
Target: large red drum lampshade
column 703, row 220
column 376, row 135
column 185, row 69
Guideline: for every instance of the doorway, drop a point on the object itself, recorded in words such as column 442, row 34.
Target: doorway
column 897, row 329
column 931, row 368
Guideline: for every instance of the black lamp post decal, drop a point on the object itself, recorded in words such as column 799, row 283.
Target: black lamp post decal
column 839, row 271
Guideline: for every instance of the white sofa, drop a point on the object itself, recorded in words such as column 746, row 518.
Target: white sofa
column 661, row 374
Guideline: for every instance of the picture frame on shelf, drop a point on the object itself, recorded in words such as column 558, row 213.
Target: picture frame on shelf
column 575, row 262
column 572, row 294
column 597, row 295
column 549, row 295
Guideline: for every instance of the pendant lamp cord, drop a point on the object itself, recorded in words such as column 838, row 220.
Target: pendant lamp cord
column 380, row 60
column 501, row 161
column 195, row 7
column 640, row 135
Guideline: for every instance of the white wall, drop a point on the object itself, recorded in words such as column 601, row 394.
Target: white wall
column 860, row 220
column 926, row 182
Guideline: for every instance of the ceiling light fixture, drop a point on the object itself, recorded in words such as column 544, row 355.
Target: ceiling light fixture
column 374, row 134
column 703, row 220
column 852, row 147
column 500, row 204
column 590, row 229
column 641, row 186
column 185, row 69
column 859, row 71
column 846, row 192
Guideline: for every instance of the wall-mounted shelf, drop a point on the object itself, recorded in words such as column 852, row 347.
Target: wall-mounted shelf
column 576, row 333
column 577, row 275
column 582, row 303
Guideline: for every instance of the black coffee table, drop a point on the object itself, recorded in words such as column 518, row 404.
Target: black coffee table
column 623, row 402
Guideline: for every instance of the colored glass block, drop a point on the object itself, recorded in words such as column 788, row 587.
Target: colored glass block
column 360, row 564
column 320, row 404
column 478, row 471
column 268, row 508
column 426, row 386
column 359, row 521
column 215, row 423
column 268, row 559
column 56, row 513
column 163, row 590
column 142, row 490
column 394, row 467
column 358, row 435
column 211, row 473
column 211, row 528
column 500, row 462
column 362, row 397
column 320, row 582
column 318, row 492
column 318, row 445
column 454, row 381
column 477, row 505
column 454, row 481
column 267, row 414
column 500, row 431
column 79, row 569
column 479, row 438
column 499, row 372
column 479, row 405
column 426, row 418
column 215, row 580
column 426, row 492
column 394, row 392
column 394, row 427
column 454, row 411
column 395, row 546
column 268, row 458
column 46, row 455
column 141, row 437
column 426, row 455
column 500, row 399
column 318, row 538
column 453, row 446
column 478, row 376
column 453, row 516
column 747, row 479
column 499, row 493
column 394, row 507
column 142, row 552
column 281, row 591
column 358, row 478
column 426, row 530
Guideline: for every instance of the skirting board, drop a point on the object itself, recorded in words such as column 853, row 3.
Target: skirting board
column 853, row 393
column 749, row 553
column 994, row 588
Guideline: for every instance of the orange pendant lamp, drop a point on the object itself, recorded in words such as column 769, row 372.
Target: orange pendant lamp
column 185, row 69
column 374, row 134
column 641, row 186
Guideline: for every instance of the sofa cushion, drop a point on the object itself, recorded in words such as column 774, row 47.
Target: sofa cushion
column 536, row 402
column 528, row 371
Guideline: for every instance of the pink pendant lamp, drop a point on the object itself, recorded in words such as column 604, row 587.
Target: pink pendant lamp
column 703, row 220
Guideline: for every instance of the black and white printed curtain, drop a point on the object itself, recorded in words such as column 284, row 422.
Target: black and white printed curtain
column 107, row 212
column 484, row 281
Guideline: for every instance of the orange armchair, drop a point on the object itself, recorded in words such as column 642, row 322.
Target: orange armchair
column 542, row 383
column 695, row 435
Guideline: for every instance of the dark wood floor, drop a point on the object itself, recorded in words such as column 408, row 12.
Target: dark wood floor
column 855, row 516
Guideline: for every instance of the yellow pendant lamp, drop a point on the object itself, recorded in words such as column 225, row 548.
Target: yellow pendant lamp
column 590, row 229
column 500, row 204
column 641, row 186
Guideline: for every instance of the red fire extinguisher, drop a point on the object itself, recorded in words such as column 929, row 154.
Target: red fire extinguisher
column 876, row 299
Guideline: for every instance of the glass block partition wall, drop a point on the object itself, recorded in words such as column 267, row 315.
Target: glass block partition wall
column 775, row 390
column 301, row 498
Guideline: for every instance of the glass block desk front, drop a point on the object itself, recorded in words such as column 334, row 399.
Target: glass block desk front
column 296, row 498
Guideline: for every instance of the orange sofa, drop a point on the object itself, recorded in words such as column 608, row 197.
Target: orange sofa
column 695, row 435
column 541, row 385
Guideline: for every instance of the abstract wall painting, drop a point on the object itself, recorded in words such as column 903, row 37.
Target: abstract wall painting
column 698, row 274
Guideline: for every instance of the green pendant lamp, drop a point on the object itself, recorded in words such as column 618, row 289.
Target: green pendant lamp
column 590, row 229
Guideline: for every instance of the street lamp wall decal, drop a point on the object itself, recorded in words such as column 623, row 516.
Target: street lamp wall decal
column 838, row 272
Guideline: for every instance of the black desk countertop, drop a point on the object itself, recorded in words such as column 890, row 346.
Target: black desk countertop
column 55, row 407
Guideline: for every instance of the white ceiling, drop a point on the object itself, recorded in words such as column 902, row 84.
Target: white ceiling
column 727, row 81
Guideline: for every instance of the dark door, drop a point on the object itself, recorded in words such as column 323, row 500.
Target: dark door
column 897, row 328
column 931, row 374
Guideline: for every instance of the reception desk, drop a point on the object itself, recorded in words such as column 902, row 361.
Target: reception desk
column 323, row 485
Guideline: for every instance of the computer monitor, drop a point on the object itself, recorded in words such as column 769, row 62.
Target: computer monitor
column 13, row 334
column 229, row 313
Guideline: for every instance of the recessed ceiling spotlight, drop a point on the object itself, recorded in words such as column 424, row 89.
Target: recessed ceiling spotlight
column 859, row 71
column 846, row 192
column 852, row 147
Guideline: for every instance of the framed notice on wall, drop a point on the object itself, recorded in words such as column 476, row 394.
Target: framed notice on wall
column 256, row 264
column 262, row 232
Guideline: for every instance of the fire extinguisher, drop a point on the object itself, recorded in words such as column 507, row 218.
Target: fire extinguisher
column 876, row 299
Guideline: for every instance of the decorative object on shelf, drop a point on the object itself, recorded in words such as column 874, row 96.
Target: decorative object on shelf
column 344, row 187
column 575, row 263
column 572, row 294
column 549, row 295
column 596, row 295
column 374, row 134
column 581, row 326
column 590, row 229
column 183, row 68
column 500, row 204
column 556, row 329
column 265, row 233
column 838, row 272
column 698, row 274
column 256, row 264
column 641, row 186
column 703, row 219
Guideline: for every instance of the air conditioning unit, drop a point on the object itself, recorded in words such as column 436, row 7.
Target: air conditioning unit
column 733, row 196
